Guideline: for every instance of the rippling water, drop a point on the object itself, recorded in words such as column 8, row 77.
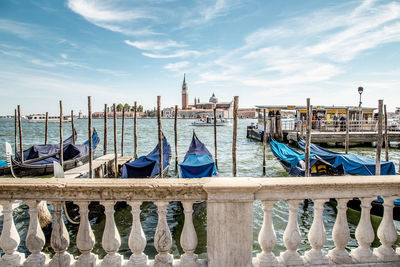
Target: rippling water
column 249, row 164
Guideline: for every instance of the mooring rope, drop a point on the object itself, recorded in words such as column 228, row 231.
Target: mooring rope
column 67, row 215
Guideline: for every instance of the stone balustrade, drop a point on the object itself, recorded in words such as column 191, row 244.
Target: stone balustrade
column 229, row 221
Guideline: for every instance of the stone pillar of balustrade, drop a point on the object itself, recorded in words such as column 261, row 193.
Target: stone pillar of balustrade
column 317, row 236
column 85, row 238
column 9, row 239
column 364, row 234
column 162, row 237
column 267, row 237
column 230, row 221
column 387, row 233
column 111, row 240
column 340, row 235
column 188, row 237
column 35, row 238
column 292, row 236
column 137, row 240
column 59, row 239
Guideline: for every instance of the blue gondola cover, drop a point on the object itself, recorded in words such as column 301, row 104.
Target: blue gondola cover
column 350, row 163
column 147, row 166
column 198, row 161
column 3, row 163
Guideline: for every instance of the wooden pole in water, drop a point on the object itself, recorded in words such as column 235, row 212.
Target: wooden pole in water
column 73, row 126
column 90, row 137
column 215, row 137
column 347, row 140
column 105, row 129
column 176, row 137
column 61, row 136
column 264, row 141
column 160, row 144
column 379, row 141
column 15, row 131
column 46, row 128
column 386, row 135
column 115, row 143
column 308, row 140
column 21, row 147
column 235, row 122
column 135, row 132
column 122, row 133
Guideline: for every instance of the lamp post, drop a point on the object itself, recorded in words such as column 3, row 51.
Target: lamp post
column 360, row 91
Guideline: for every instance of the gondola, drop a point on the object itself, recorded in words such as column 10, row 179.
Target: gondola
column 354, row 164
column 294, row 162
column 147, row 166
column 198, row 161
column 4, row 168
column 38, row 160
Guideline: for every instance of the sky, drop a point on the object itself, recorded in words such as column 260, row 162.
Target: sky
column 266, row 52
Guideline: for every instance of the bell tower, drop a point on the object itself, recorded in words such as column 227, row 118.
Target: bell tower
column 185, row 95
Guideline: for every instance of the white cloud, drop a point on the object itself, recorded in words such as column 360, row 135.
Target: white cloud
column 21, row 29
column 154, row 45
column 178, row 66
column 180, row 53
column 64, row 56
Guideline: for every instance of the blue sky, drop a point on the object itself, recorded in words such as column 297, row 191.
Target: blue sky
column 266, row 52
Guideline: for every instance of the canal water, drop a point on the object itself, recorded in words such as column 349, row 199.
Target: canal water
column 249, row 164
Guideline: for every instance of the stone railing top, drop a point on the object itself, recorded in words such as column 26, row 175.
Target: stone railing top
column 218, row 188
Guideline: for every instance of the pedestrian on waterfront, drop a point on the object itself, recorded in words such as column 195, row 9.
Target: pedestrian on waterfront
column 342, row 123
column 335, row 122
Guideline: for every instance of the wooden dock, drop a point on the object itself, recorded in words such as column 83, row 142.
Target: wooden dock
column 99, row 164
column 338, row 137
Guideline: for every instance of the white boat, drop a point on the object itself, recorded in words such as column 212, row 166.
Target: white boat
column 207, row 121
column 42, row 118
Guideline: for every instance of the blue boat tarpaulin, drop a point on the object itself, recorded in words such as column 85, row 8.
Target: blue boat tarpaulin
column 350, row 163
column 3, row 163
column 286, row 153
column 147, row 166
column 198, row 161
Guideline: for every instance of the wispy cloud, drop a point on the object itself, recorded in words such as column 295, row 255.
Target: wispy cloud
column 177, row 67
column 180, row 53
column 154, row 45
column 21, row 29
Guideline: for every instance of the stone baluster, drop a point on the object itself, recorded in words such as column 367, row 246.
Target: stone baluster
column 340, row 235
column 387, row 233
column 292, row 237
column 9, row 239
column 364, row 234
column 85, row 238
column 267, row 237
column 111, row 240
column 162, row 237
column 137, row 239
column 59, row 239
column 317, row 236
column 188, row 237
column 35, row 239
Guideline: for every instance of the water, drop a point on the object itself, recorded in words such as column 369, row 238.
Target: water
column 249, row 164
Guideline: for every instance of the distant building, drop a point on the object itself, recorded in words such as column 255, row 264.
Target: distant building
column 128, row 114
column 247, row 113
column 200, row 109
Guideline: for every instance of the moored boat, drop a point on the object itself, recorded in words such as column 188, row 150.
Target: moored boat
column 148, row 166
column 198, row 161
column 38, row 160
column 208, row 121
column 42, row 118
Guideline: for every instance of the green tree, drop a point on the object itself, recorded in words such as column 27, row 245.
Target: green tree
column 119, row 107
column 140, row 108
column 127, row 107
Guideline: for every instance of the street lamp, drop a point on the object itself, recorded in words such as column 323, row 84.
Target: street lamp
column 360, row 91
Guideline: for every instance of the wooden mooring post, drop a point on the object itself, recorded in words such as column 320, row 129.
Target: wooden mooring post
column 73, row 126
column 135, row 143
column 90, row 137
column 386, row 135
column 264, row 141
column 215, row 137
column 21, row 146
column 61, row 136
column 176, row 137
column 160, row 137
column 235, row 124
column 15, row 131
column 347, row 140
column 122, row 131
column 115, row 143
column 105, row 130
column 46, row 128
column 379, row 141
column 308, row 139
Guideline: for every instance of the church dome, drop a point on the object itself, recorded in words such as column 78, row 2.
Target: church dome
column 213, row 99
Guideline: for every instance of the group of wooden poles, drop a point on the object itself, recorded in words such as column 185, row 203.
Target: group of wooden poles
column 18, row 132
column 382, row 122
